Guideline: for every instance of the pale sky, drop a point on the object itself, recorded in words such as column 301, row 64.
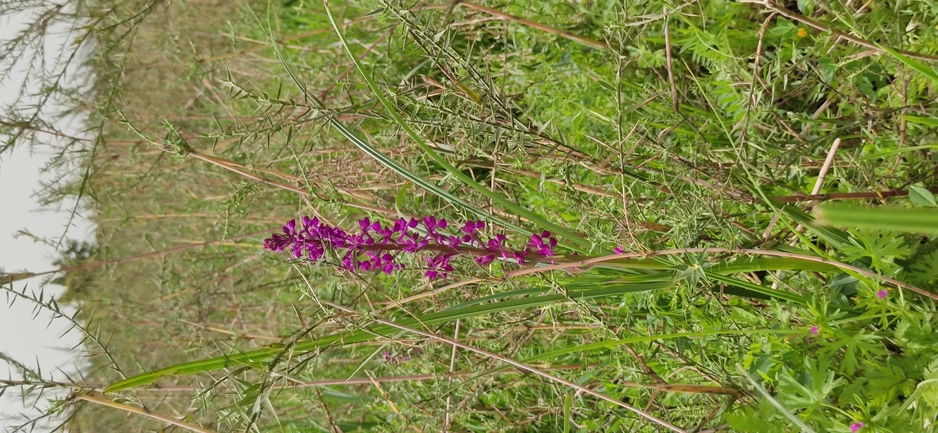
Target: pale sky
column 26, row 335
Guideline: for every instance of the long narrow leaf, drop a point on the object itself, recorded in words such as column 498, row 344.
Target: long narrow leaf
column 254, row 358
column 757, row 264
column 767, row 291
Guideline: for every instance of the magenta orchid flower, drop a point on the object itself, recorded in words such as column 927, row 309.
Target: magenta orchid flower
column 378, row 247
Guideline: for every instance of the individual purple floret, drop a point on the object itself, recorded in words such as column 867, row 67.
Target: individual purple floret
column 379, row 247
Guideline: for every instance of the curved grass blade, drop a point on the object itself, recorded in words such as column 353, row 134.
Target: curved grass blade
column 464, row 178
column 255, row 358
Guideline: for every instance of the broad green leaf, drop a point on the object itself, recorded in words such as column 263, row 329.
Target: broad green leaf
column 922, row 196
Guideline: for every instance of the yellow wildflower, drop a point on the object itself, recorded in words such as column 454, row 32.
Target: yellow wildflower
column 802, row 33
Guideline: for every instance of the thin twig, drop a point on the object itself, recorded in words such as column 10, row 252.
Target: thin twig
column 218, row 98
column 390, row 403
column 452, row 366
column 433, row 292
column 141, row 411
column 325, row 407
column 667, row 50
column 325, row 93
column 755, row 77
column 236, row 168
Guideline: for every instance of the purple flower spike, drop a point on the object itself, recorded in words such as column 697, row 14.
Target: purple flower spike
column 378, row 248
column 543, row 248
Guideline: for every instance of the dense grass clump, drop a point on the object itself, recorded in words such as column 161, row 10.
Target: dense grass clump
column 657, row 165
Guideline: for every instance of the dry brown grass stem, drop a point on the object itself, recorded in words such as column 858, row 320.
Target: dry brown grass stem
column 142, row 412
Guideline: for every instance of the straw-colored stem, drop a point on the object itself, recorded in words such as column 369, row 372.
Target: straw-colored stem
column 143, row 412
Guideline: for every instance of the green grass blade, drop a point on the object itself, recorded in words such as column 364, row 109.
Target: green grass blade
column 567, row 411
column 254, row 358
column 756, row 264
column 927, row 121
column 879, row 218
column 918, row 66
column 834, row 237
column 498, row 198
column 767, row 291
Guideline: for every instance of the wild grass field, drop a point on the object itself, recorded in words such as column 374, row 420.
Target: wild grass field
column 675, row 151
